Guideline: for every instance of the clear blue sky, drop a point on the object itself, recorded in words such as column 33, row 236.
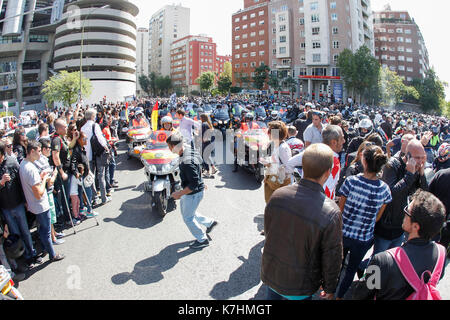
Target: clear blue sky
column 213, row 17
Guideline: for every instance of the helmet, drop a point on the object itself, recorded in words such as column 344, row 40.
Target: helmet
column 274, row 114
column 249, row 117
column 435, row 130
column 14, row 247
column 365, row 124
column 166, row 119
column 444, row 151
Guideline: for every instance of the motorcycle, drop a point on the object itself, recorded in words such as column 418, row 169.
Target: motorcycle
column 256, row 144
column 136, row 139
column 123, row 127
column 162, row 171
column 7, row 289
column 221, row 120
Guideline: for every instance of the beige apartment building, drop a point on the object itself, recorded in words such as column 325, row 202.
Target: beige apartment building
column 399, row 44
column 307, row 36
column 167, row 25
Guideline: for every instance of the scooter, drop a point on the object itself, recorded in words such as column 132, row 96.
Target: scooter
column 162, row 171
column 7, row 289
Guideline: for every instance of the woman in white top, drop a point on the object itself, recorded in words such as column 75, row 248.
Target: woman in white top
column 276, row 174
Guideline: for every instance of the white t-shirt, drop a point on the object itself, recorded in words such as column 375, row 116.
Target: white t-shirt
column 283, row 153
column 29, row 177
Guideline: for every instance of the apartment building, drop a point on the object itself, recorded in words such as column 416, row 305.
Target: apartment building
column 250, row 41
column 307, row 36
column 399, row 44
column 141, row 57
column 167, row 25
column 26, row 44
column 190, row 57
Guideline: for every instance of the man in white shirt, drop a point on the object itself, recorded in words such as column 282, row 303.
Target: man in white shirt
column 97, row 164
column 334, row 138
column 313, row 133
column 186, row 125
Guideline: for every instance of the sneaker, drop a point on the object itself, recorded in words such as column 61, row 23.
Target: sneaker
column 83, row 211
column 214, row 171
column 83, row 217
column 58, row 242
column 199, row 245
column 211, row 227
column 60, row 235
column 92, row 214
column 108, row 199
column 76, row 221
column 38, row 260
column 58, row 257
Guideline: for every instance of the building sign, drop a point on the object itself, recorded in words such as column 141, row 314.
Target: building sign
column 337, row 90
column 320, row 77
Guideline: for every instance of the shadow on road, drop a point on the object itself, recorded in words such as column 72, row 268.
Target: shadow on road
column 137, row 212
column 240, row 180
column 151, row 270
column 246, row 277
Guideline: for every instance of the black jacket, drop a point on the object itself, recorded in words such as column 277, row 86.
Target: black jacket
column 303, row 248
column 301, row 126
column 423, row 255
column 191, row 171
column 11, row 195
column 439, row 186
column 79, row 157
column 402, row 184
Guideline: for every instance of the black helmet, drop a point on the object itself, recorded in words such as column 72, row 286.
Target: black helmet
column 14, row 247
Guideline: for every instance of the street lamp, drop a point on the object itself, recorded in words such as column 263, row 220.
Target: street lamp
column 82, row 42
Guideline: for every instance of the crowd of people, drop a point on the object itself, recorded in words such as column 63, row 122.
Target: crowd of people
column 341, row 179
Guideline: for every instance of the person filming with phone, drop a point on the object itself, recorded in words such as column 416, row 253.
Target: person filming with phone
column 404, row 175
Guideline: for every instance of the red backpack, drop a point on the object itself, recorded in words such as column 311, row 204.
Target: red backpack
column 422, row 290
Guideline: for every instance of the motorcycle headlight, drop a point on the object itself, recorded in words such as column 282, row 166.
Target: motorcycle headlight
column 151, row 168
column 166, row 168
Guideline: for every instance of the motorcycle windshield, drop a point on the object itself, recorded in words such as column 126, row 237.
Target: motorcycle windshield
column 222, row 115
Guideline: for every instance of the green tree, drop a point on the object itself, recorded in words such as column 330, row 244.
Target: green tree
column 206, row 81
column 290, row 84
column 65, row 87
column 145, row 84
column 163, row 85
column 261, row 75
column 392, row 89
column 432, row 92
column 224, row 84
column 360, row 71
column 152, row 77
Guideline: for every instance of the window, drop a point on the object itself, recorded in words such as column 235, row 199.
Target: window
column 302, row 46
column 282, row 18
column 253, row 34
column 410, row 69
column 261, row 53
column 237, row 20
column 409, row 59
column 244, row 55
column 261, row 32
column 282, row 28
column 401, row 68
column 401, row 49
column 314, row 6
column 301, row 21
column 409, row 50
column 316, row 57
column 261, row 43
column 235, row 38
column 252, row 15
column 315, row 18
column 261, row 13
column 237, row 47
column 407, row 31
column 245, row 45
column 237, row 66
column 244, row 18
column 336, row 72
column 334, row 16
column 244, row 27
column 400, row 39
column 274, row 51
column 335, row 30
column 245, row 36
column 401, row 58
column 282, row 50
column 282, row 39
column 335, row 44
column 253, row 64
column 319, row 71
column 261, row 22
column 274, row 41
column 335, row 58
column 408, row 40
column 253, row 54
column 315, row 31
column 399, row 30
column 253, row 24
column 316, row 45
column 274, row 30
column 333, row 5
column 253, row 44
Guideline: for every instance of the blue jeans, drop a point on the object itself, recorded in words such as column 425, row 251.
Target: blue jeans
column 45, row 232
column 101, row 163
column 88, row 196
column 16, row 219
column 112, row 169
column 274, row 296
column 382, row 245
column 59, row 185
column 192, row 219
column 357, row 250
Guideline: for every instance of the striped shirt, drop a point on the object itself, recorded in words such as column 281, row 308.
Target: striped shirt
column 364, row 200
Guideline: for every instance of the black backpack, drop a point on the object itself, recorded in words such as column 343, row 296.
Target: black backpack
column 97, row 148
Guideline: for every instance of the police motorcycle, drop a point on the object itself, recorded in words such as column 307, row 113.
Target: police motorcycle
column 161, row 169
column 221, row 119
column 138, row 133
column 14, row 249
column 261, row 114
column 253, row 137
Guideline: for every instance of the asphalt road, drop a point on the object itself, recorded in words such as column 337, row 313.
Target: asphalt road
column 135, row 255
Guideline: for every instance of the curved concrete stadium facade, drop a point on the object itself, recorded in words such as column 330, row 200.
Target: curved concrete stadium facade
column 107, row 30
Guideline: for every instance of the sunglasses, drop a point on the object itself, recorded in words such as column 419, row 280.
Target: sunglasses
column 407, row 211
